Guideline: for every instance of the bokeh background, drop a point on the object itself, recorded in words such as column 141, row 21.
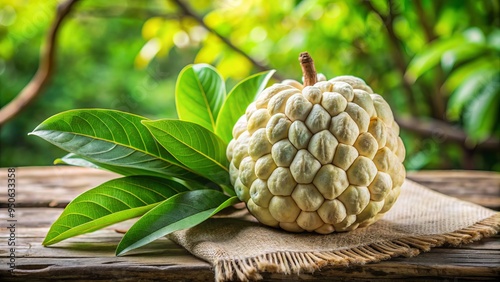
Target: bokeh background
column 437, row 63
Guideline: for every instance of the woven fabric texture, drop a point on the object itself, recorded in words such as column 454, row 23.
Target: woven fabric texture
column 240, row 248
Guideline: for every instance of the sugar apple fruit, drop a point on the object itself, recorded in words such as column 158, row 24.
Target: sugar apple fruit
column 325, row 156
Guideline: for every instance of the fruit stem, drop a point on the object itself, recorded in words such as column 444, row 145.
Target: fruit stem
column 308, row 70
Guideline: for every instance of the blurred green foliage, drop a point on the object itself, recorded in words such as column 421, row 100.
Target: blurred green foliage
column 431, row 60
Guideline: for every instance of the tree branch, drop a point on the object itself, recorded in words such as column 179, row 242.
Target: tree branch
column 444, row 132
column 44, row 71
column 187, row 11
column 429, row 33
column 130, row 13
column 438, row 100
column 397, row 54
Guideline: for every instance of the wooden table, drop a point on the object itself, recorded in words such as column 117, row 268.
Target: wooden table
column 42, row 192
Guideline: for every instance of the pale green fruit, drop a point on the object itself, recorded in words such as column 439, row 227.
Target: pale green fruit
column 323, row 158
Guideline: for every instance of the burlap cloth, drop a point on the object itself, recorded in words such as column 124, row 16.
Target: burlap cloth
column 240, row 248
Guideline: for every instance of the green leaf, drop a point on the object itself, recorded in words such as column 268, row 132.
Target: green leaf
column 463, row 52
column 469, row 89
column 112, row 138
column 75, row 160
column 111, row 202
column 459, row 75
column 448, row 51
column 194, row 146
column 431, row 57
column 179, row 212
column 493, row 39
column 482, row 113
column 199, row 94
column 191, row 184
column 238, row 100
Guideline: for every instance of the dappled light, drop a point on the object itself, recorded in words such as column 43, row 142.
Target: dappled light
column 435, row 63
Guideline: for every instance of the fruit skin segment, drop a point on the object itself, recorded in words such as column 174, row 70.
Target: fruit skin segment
column 319, row 158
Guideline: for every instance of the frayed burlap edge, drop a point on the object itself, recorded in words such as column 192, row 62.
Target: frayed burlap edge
column 297, row 262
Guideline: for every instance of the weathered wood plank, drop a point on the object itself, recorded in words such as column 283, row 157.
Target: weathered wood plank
column 91, row 270
column 479, row 187
column 91, row 256
column 163, row 259
column 56, row 186
column 53, row 186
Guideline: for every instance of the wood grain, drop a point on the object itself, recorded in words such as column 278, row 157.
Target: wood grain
column 44, row 191
column 479, row 187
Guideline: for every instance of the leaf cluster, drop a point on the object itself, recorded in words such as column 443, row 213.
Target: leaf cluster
column 471, row 62
column 150, row 41
column 431, row 60
column 175, row 171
